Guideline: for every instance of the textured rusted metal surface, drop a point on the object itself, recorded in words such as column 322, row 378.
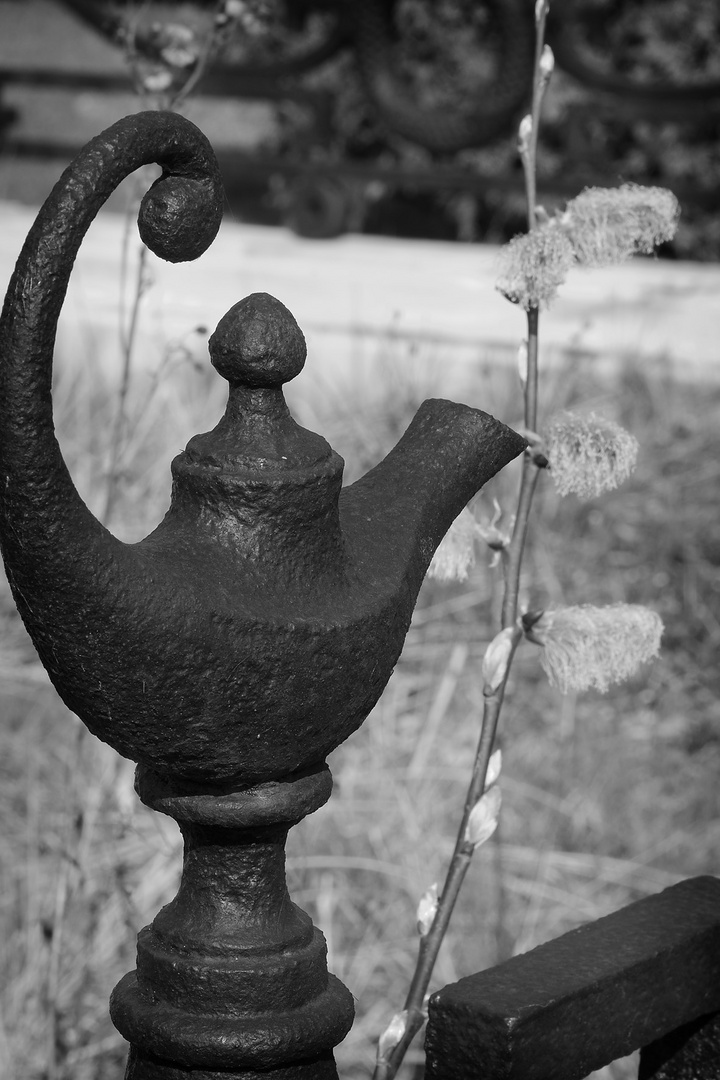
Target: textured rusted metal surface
column 589, row 997
column 236, row 645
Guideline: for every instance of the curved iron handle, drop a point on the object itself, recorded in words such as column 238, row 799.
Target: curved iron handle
column 178, row 219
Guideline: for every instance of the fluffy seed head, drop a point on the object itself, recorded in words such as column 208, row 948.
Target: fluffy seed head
column 587, row 646
column 607, row 225
column 588, row 455
column 534, row 265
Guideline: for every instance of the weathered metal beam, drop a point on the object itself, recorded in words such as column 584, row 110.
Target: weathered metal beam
column 593, row 995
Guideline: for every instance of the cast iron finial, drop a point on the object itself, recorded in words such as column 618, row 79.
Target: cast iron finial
column 229, row 651
column 256, row 627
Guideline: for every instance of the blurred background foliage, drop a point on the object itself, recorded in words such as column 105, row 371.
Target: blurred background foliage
column 588, row 136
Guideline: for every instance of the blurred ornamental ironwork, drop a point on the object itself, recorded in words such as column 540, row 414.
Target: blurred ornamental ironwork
column 398, row 115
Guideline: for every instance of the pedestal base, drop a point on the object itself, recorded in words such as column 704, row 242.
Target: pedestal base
column 232, row 977
column 144, row 1067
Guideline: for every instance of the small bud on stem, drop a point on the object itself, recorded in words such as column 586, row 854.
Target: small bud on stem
column 525, row 135
column 541, row 9
column 493, row 769
column 427, row 909
column 497, row 659
column 391, row 1036
column 522, row 362
column 547, row 63
column 483, row 819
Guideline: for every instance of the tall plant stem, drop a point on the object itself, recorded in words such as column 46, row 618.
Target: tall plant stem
column 459, row 864
column 528, row 153
column 528, row 481
column 414, row 1011
column 530, row 471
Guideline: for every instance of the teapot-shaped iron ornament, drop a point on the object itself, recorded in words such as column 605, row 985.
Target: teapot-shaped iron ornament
column 240, row 642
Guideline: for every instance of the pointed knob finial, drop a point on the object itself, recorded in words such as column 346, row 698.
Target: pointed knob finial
column 258, row 344
column 257, row 347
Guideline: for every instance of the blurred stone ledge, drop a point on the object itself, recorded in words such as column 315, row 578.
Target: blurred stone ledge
column 431, row 307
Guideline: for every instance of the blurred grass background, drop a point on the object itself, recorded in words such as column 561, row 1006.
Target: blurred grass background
column 607, row 798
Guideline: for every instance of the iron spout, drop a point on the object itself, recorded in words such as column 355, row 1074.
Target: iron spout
column 398, row 513
column 179, row 217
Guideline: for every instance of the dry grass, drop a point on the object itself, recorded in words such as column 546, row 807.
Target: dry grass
column 606, row 798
